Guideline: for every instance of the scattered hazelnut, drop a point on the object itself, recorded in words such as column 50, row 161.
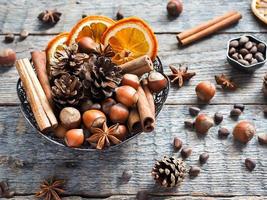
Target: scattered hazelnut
column 123, row 131
column 250, row 164
column 156, row 82
column 107, row 104
column 174, row 8
column 9, row 37
column 205, row 91
column 218, row 118
column 177, row 143
column 262, row 138
column 60, row 131
column 119, row 113
column 70, row 117
column 186, row 152
column 203, row 158
column 87, row 45
column 236, row 112
column 23, row 34
column 131, row 80
column 240, row 106
column 90, row 116
column 7, row 57
column 126, row 95
column 223, row 132
column 74, row 137
column 189, row 124
column 194, row 110
column 194, row 171
column 244, row 131
column 203, row 123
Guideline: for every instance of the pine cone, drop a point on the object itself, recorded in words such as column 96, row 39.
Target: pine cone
column 67, row 91
column 67, row 59
column 169, row 171
column 264, row 88
column 101, row 79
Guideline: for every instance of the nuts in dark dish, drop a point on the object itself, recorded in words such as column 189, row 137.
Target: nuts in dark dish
column 246, row 51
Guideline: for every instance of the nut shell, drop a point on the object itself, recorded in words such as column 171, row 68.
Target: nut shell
column 205, row 91
column 70, row 117
column 126, row 95
column 203, row 123
column 131, row 80
column 244, row 131
column 156, row 82
column 107, row 104
column 174, row 8
column 90, row 116
column 7, row 57
column 74, row 137
column 119, row 113
column 87, row 45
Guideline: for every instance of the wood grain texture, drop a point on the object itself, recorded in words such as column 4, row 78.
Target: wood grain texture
column 22, row 14
column 207, row 58
column 26, row 158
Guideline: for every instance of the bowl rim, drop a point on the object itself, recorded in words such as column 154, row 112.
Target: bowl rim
column 112, row 147
column 244, row 66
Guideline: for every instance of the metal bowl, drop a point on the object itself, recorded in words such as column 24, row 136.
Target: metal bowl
column 239, row 66
column 159, row 100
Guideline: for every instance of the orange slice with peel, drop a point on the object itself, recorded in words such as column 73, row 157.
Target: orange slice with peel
column 54, row 44
column 131, row 38
column 91, row 26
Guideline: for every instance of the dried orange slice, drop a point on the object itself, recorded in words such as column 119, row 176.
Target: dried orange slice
column 91, row 26
column 259, row 8
column 131, row 38
column 54, row 44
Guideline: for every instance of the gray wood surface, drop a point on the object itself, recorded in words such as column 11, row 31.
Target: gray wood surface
column 26, row 158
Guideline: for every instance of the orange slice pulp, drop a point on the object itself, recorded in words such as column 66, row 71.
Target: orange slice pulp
column 130, row 38
column 55, row 44
column 91, row 26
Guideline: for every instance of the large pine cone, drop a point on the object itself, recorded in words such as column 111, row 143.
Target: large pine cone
column 101, row 79
column 67, row 90
column 68, row 60
column 264, row 88
column 169, row 171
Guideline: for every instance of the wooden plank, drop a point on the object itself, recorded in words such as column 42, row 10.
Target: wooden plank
column 26, row 158
column 207, row 58
column 22, row 14
column 133, row 197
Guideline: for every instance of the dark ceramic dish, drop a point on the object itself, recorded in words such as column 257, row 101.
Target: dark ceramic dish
column 239, row 66
column 159, row 100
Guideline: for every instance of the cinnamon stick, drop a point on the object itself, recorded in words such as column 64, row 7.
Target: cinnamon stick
column 144, row 110
column 208, row 28
column 149, row 95
column 33, row 98
column 134, row 121
column 39, row 63
column 138, row 66
column 40, row 92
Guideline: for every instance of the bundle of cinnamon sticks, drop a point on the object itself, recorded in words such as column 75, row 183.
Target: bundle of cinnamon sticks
column 208, row 28
column 37, row 98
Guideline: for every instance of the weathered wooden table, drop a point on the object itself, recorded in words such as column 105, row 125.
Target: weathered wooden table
column 26, row 158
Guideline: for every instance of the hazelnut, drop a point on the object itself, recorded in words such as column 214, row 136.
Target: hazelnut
column 123, row 131
column 7, row 57
column 74, row 137
column 244, row 131
column 60, row 131
column 126, row 95
column 119, row 113
column 87, row 45
column 203, row 123
column 86, row 105
column 107, row 104
column 174, row 8
column 156, row 82
column 131, row 80
column 70, row 117
column 205, row 91
column 90, row 116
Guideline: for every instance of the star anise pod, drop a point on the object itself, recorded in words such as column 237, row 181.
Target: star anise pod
column 49, row 16
column 226, row 83
column 105, row 136
column 105, row 51
column 51, row 189
column 180, row 75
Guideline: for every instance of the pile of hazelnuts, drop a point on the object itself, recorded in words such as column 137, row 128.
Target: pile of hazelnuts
column 77, row 124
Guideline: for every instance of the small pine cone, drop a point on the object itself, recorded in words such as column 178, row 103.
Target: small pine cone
column 169, row 171
column 67, row 91
column 264, row 87
column 67, row 59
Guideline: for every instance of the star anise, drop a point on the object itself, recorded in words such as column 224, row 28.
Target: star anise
column 51, row 189
column 49, row 16
column 180, row 75
column 225, row 82
column 105, row 51
column 106, row 136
